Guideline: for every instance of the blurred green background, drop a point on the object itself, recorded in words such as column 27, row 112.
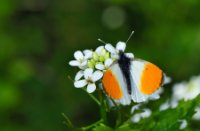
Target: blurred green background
column 39, row 37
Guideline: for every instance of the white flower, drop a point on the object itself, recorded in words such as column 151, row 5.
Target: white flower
column 99, row 50
column 138, row 116
column 172, row 103
column 187, row 91
column 100, row 54
column 164, row 106
column 79, row 75
column 81, row 59
column 179, row 91
column 90, row 78
column 107, row 63
column 183, row 91
column 183, row 124
column 196, row 116
column 88, row 53
column 121, row 46
column 146, row 113
column 135, row 107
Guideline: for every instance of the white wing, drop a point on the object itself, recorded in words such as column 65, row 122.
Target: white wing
column 126, row 98
column 137, row 68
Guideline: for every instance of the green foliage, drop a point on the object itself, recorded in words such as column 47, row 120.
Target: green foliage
column 38, row 38
column 102, row 127
column 167, row 120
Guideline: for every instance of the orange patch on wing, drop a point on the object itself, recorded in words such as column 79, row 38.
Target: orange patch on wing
column 111, row 85
column 151, row 78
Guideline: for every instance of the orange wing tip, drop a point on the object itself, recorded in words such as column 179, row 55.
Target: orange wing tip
column 111, row 85
column 151, row 79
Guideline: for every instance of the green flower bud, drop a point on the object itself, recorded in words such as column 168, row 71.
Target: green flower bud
column 90, row 64
column 95, row 56
column 93, row 61
column 101, row 58
column 103, row 52
column 107, row 56
column 99, row 63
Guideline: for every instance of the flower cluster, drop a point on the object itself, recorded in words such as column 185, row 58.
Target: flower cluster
column 92, row 64
column 139, row 116
column 184, row 91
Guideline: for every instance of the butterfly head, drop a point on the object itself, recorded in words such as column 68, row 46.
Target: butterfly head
column 123, row 58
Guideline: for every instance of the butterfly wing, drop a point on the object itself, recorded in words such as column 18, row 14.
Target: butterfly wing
column 147, row 78
column 115, row 86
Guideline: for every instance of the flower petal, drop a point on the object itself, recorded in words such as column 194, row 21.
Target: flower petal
column 79, row 75
column 87, row 51
column 100, row 67
column 99, row 49
column 174, row 103
column 74, row 63
column 130, row 55
column 146, row 113
column 97, row 75
column 88, row 73
column 91, row 88
column 88, row 54
column 83, row 67
column 136, row 118
column 84, row 63
column 80, row 83
column 110, row 48
column 183, row 124
column 196, row 116
column 164, row 106
column 121, row 46
column 108, row 62
column 78, row 55
column 135, row 107
column 115, row 56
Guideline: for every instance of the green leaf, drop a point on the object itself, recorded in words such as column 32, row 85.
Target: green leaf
column 126, row 127
column 168, row 120
column 164, row 120
column 102, row 127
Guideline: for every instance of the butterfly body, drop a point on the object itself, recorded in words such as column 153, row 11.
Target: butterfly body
column 125, row 65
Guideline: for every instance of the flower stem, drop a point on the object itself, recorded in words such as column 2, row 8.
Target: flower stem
column 69, row 77
column 95, row 99
column 68, row 122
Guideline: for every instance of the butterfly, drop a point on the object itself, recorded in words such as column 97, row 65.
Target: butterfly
column 130, row 79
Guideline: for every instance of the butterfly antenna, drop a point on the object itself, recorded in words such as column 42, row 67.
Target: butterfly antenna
column 100, row 40
column 130, row 36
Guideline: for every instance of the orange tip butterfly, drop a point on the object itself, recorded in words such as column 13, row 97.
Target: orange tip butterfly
column 129, row 78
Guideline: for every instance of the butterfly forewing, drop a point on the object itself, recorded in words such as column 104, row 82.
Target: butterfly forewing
column 147, row 76
column 114, row 84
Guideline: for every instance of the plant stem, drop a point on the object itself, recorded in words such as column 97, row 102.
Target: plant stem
column 102, row 107
column 92, row 125
column 67, row 122
column 119, row 116
column 95, row 99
